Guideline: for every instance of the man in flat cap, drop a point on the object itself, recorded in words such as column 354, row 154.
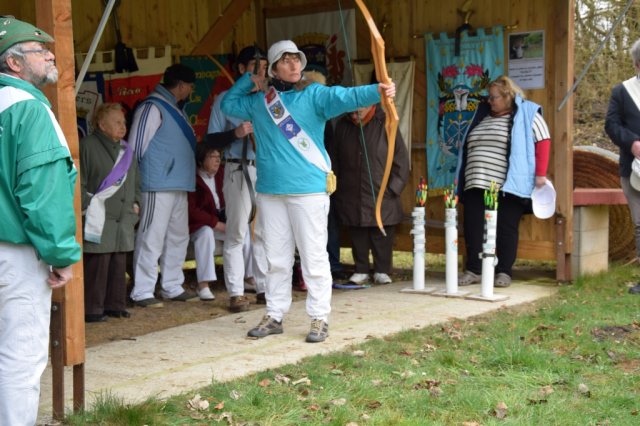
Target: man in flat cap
column 164, row 145
column 37, row 234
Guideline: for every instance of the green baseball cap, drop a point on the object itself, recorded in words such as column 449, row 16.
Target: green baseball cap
column 14, row 31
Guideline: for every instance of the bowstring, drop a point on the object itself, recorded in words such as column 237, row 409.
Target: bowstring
column 353, row 83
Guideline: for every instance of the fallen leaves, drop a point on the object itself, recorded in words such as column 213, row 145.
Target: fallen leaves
column 372, row 405
column 501, row 410
column 302, row 381
column 282, row 379
column 584, row 390
column 429, row 348
column 427, row 384
column 197, row 403
column 541, row 397
column 453, row 332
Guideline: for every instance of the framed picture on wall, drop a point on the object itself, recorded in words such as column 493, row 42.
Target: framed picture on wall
column 526, row 59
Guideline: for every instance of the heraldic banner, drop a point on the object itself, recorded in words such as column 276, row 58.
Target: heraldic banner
column 210, row 82
column 455, row 86
column 325, row 38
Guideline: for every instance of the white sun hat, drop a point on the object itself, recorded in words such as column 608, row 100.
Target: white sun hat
column 634, row 179
column 543, row 200
column 280, row 48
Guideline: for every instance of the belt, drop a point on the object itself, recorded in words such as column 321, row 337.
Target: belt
column 235, row 160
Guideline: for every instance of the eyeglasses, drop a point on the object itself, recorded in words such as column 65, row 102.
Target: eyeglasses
column 42, row 52
column 493, row 98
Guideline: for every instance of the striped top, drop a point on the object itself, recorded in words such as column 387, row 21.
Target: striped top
column 487, row 149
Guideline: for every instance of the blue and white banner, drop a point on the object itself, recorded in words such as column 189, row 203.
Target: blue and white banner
column 455, row 86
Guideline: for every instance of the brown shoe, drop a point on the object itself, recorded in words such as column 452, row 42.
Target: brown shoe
column 238, row 304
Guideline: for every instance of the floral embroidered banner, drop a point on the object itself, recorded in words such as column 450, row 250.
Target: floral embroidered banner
column 455, row 86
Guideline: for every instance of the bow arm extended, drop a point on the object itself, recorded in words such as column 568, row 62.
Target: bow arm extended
column 391, row 114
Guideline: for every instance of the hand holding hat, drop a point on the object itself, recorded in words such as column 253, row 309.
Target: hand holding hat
column 543, row 200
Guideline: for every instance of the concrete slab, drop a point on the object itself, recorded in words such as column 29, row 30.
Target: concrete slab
column 192, row 356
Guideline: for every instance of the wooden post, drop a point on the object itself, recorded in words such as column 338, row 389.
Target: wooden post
column 57, row 359
column 54, row 17
column 563, row 137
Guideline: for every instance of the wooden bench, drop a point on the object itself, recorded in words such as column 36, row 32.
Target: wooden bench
column 591, row 228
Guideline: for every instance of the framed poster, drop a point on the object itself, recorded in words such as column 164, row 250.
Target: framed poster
column 526, row 59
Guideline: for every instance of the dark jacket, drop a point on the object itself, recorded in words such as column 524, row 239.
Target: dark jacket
column 353, row 198
column 98, row 154
column 202, row 208
column 623, row 126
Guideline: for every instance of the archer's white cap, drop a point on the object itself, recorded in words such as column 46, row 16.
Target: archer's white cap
column 281, row 47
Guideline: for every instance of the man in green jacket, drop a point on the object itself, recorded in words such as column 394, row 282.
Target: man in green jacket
column 37, row 229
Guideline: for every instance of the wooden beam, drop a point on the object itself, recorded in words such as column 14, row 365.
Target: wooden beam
column 54, row 17
column 598, row 196
column 563, row 40
column 307, row 8
column 221, row 27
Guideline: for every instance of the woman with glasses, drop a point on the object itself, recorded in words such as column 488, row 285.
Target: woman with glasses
column 507, row 145
column 206, row 216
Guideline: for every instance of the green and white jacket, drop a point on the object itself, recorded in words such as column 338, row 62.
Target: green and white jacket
column 37, row 175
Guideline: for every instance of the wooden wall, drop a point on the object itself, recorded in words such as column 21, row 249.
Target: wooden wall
column 403, row 23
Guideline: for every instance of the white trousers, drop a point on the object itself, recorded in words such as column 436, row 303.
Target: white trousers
column 205, row 241
column 162, row 239
column 633, row 201
column 25, row 311
column 234, row 254
column 284, row 223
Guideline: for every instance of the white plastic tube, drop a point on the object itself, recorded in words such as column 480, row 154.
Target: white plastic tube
column 419, row 242
column 451, row 250
column 489, row 259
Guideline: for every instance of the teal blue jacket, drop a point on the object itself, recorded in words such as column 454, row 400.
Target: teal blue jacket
column 281, row 169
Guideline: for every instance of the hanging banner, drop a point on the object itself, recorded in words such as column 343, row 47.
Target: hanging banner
column 321, row 36
column 455, row 86
column 210, row 81
column 128, row 90
column 403, row 74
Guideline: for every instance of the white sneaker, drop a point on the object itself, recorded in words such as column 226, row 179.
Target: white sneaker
column 359, row 278
column 381, row 278
column 205, row 294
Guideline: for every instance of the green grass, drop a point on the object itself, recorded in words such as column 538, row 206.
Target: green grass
column 561, row 361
